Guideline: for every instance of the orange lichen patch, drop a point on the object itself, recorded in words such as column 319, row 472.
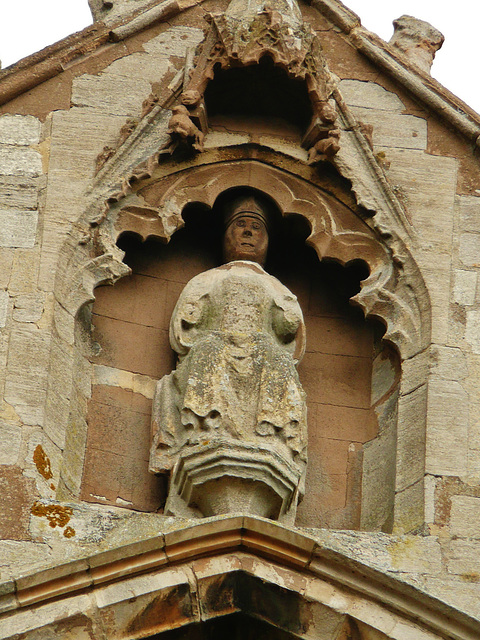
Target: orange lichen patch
column 52, row 486
column 56, row 515
column 69, row 532
column 42, row 462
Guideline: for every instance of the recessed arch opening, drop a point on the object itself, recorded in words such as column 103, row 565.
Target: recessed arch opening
column 258, row 92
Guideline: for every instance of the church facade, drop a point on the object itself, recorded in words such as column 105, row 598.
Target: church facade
column 201, row 435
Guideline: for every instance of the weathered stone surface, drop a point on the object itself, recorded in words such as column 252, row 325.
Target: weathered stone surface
column 437, row 176
column 370, row 96
column 468, row 208
column 17, row 161
column 112, row 94
column 393, row 130
column 25, row 271
column 10, row 442
column 465, row 516
column 16, row 495
column 19, row 130
column 4, row 307
column 472, row 329
column 411, row 438
column 26, row 382
column 447, row 428
column 150, row 67
column 18, row 228
column 125, row 379
column 18, row 193
column 448, row 363
column 28, row 307
column 417, row 40
column 464, row 286
column 22, row 557
column 174, row 42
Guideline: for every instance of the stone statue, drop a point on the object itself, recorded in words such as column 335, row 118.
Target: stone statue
column 233, row 412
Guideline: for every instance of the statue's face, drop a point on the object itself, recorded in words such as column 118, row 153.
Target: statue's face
column 246, row 238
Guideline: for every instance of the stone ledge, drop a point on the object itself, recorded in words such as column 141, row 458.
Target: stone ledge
column 253, row 538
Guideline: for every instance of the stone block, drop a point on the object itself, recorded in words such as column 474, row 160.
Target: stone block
column 469, row 249
column 414, row 372
column 78, row 136
column 129, row 381
column 416, row 555
column 464, row 286
column 111, row 94
column 448, row 363
column 28, row 307
column 20, row 161
column 468, row 208
column 463, row 559
column 4, row 307
column 137, row 298
column 174, row 42
column 64, row 324
column 57, row 406
column 349, row 424
column 10, row 442
column 437, row 280
column 27, row 372
column 18, row 193
column 447, row 428
column 412, row 410
column 19, row 130
column 338, row 336
column 16, row 495
column 25, row 267
column 336, row 379
column 472, row 329
column 118, row 447
column 409, row 508
column 465, row 517
column 393, row 130
column 133, row 347
column 369, row 95
column 150, row 67
column 20, row 557
column 18, row 228
column 378, row 473
column 422, row 180
column 6, row 261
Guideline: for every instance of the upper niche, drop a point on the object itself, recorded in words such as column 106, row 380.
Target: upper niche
column 258, row 91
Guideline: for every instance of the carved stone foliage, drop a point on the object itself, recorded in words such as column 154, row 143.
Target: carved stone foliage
column 241, row 37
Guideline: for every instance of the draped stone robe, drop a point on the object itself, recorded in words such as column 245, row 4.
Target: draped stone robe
column 238, row 333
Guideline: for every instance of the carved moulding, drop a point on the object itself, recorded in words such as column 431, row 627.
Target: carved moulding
column 237, row 38
column 151, row 204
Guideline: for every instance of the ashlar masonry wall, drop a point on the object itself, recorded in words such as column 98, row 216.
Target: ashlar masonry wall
column 47, row 182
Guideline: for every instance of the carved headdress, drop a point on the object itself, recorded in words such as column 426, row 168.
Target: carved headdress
column 247, row 205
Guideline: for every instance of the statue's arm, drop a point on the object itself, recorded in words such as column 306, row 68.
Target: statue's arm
column 287, row 322
column 189, row 313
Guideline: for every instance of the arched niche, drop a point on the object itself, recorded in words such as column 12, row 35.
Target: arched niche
column 151, row 204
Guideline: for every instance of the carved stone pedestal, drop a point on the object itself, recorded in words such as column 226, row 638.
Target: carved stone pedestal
column 227, row 476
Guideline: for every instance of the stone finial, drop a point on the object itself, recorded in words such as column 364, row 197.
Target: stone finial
column 417, row 40
column 246, row 10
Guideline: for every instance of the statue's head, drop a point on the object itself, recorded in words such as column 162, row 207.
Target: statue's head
column 246, row 230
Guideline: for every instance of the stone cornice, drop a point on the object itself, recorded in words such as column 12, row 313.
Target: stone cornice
column 238, row 534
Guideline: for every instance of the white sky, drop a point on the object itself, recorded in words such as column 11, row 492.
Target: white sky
column 27, row 26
